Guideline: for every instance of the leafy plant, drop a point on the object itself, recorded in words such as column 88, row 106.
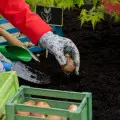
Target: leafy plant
column 32, row 3
column 56, row 3
column 112, row 8
column 95, row 15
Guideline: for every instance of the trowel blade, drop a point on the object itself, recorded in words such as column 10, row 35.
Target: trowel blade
column 29, row 74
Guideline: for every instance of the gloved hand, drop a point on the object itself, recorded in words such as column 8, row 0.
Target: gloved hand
column 57, row 46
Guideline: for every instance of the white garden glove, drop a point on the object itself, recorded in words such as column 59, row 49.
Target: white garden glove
column 57, row 46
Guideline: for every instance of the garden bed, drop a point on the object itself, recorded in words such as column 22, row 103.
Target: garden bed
column 100, row 65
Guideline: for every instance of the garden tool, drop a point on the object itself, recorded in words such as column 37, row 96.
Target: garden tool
column 14, row 41
column 15, row 53
column 27, row 73
column 33, row 56
column 33, row 49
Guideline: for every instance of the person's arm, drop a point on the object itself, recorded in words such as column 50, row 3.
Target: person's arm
column 19, row 14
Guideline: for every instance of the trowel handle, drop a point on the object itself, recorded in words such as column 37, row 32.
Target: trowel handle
column 10, row 38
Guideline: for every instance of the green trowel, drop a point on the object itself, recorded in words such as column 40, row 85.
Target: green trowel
column 18, row 50
column 15, row 53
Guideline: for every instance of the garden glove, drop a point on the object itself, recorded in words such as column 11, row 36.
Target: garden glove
column 57, row 46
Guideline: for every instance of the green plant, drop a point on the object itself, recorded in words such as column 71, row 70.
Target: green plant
column 56, row 3
column 33, row 3
column 94, row 15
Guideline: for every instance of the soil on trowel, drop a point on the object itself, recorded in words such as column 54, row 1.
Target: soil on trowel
column 100, row 65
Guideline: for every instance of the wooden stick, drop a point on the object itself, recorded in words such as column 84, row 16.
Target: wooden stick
column 46, row 53
column 10, row 38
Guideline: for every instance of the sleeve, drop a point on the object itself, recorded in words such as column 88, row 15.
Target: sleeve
column 19, row 14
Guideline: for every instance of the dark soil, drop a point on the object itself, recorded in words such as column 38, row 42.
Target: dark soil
column 100, row 65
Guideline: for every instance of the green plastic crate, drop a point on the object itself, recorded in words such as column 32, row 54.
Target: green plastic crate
column 58, row 100
column 8, row 88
